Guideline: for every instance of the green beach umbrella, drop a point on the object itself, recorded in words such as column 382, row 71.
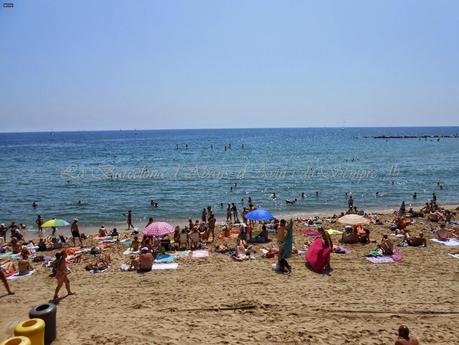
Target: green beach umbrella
column 54, row 223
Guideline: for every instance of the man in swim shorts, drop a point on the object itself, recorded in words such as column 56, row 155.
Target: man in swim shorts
column 76, row 232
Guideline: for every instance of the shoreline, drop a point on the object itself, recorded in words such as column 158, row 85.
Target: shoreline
column 91, row 229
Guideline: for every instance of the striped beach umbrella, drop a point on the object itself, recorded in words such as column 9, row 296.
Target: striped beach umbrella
column 158, row 229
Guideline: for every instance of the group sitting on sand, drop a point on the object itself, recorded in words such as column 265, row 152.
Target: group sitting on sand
column 355, row 234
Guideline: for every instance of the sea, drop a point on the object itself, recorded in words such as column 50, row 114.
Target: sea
column 97, row 176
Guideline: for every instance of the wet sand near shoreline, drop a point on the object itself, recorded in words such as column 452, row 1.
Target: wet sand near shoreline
column 220, row 301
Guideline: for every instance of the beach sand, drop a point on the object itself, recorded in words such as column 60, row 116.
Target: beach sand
column 220, row 301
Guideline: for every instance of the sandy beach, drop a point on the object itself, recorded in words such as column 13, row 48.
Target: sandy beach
column 220, row 301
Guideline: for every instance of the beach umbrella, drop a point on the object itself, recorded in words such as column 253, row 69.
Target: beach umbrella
column 353, row 219
column 259, row 215
column 158, row 229
column 54, row 223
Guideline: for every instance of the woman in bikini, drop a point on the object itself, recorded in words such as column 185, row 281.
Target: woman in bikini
column 62, row 275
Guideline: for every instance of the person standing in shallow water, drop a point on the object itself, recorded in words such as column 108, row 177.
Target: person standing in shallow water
column 129, row 220
column 350, row 202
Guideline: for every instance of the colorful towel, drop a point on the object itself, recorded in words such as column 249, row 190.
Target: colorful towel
column 334, row 232
column 17, row 276
column 126, row 243
column 311, row 233
column 449, row 243
column 198, row 254
column 164, row 259
column 172, row 266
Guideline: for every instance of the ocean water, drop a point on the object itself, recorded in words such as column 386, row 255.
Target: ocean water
column 98, row 176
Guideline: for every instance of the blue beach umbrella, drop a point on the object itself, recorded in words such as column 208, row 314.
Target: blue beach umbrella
column 259, row 215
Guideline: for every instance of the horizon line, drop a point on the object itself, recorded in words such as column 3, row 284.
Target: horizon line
column 216, row 128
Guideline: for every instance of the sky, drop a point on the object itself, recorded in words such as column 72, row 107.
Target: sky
column 150, row 64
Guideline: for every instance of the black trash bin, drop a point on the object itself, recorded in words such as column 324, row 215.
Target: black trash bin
column 46, row 312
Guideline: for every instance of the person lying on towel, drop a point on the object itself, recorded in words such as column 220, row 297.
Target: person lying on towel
column 414, row 241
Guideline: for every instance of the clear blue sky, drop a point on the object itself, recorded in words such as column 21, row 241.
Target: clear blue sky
column 107, row 64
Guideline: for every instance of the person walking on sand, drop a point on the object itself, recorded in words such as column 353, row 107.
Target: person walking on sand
column 5, row 282
column 62, row 275
column 129, row 220
column 282, row 264
column 75, row 232
column 404, row 337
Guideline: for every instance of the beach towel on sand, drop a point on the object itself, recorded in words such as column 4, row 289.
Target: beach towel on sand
column 164, row 258
column 129, row 252
column 17, row 276
column 181, row 254
column 311, row 233
column 171, row 266
column 386, row 259
column 318, row 255
column 333, row 232
column 198, row 254
column 449, row 243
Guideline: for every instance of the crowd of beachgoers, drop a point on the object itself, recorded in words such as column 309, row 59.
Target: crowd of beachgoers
column 238, row 236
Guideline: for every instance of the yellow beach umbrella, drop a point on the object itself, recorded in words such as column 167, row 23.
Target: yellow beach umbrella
column 54, row 223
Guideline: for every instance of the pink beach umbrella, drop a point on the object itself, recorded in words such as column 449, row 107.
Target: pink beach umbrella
column 158, row 229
